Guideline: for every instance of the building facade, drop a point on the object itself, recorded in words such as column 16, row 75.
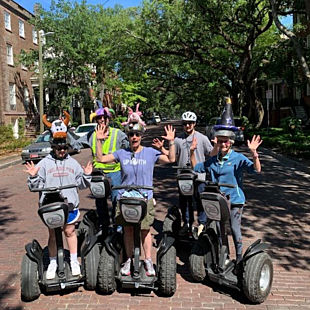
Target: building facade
column 17, row 95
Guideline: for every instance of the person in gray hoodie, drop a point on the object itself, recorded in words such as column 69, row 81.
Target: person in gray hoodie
column 55, row 170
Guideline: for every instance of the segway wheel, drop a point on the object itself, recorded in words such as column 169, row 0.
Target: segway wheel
column 106, row 273
column 257, row 277
column 30, row 289
column 196, row 263
column 91, row 262
column 167, row 274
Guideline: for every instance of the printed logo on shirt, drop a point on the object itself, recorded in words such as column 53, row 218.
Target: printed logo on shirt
column 60, row 171
column 134, row 161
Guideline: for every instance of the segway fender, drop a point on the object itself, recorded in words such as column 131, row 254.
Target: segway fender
column 34, row 251
column 90, row 242
column 113, row 244
column 255, row 248
column 165, row 244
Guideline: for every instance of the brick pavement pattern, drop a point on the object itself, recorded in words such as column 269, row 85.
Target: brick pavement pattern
column 277, row 211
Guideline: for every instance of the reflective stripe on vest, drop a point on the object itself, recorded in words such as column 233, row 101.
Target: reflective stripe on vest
column 108, row 147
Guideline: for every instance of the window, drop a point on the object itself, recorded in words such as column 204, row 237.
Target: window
column 21, row 28
column 12, row 97
column 34, row 36
column 308, row 89
column 9, row 54
column 7, row 20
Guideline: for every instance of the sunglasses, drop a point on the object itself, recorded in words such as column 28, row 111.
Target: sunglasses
column 60, row 147
column 188, row 123
column 227, row 141
column 137, row 134
column 102, row 116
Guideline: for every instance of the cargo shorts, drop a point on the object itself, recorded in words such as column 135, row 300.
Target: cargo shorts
column 146, row 222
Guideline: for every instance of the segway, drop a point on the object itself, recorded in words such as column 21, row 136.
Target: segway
column 163, row 283
column 90, row 234
column 209, row 258
column 186, row 178
column 53, row 211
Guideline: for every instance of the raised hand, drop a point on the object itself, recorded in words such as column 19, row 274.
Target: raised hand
column 88, row 169
column 194, row 144
column 255, row 143
column 31, row 169
column 170, row 133
column 214, row 140
column 102, row 132
column 158, row 143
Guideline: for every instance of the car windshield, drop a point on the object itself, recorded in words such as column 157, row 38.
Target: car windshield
column 43, row 138
column 85, row 128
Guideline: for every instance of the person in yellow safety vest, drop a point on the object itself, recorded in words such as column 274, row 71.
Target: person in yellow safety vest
column 116, row 139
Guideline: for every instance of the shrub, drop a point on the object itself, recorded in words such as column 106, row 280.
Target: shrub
column 6, row 133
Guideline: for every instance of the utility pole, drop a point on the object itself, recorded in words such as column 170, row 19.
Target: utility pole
column 41, row 107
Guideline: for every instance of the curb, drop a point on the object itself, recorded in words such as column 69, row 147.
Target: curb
column 10, row 161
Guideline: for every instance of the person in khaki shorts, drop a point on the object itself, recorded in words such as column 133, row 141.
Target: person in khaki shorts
column 137, row 165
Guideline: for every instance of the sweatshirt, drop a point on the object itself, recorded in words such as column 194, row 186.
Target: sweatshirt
column 54, row 172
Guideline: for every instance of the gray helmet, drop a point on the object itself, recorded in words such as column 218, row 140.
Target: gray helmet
column 134, row 127
column 225, row 133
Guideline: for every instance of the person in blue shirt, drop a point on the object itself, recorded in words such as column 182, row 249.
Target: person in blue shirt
column 227, row 167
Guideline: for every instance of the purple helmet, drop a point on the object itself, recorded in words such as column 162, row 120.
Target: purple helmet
column 103, row 112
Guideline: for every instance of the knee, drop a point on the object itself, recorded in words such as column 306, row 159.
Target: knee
column 69, row 231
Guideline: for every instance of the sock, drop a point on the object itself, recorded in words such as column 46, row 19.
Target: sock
column 73, row 257
column 53, row 260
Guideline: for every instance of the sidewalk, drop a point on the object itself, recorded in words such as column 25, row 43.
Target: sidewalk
column 10, row 160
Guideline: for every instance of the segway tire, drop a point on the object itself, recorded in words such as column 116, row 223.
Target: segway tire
column 91, row 262
column 30, row 289
column 196, row 263
column 167, row 268
column 257, row 277
column 106, row 273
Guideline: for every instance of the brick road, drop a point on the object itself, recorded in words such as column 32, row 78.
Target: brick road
column 277, row 211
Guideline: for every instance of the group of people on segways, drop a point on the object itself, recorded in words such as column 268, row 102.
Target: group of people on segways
column 129, row 167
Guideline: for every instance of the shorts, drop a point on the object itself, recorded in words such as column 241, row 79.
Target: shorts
column 146, row 222
column 73, row 216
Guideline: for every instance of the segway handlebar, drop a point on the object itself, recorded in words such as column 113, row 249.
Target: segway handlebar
column 209, row 183
column 53, row 188
column 134, row 187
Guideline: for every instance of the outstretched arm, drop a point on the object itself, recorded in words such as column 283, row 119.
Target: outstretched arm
column 170, row 134
column 101, row 135
column 253, row 146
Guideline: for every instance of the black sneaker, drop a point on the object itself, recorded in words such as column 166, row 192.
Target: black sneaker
column 184, row 230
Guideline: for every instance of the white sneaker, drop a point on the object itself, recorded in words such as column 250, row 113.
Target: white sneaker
column 200, row 229
column 75, row 268
column 125, row 270
column 51, row 270
column 149, row 268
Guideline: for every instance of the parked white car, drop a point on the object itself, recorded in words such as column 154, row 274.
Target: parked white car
column 82, row 130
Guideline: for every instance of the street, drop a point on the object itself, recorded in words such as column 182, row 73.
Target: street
column 277, row 211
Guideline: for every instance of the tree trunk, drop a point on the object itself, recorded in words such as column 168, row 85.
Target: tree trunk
column 82, row 115
column 291, row 35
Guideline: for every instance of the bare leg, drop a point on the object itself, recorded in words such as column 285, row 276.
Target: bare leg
column 128, row 240
column 147, row 243
column 52, row 250
column 69, row 230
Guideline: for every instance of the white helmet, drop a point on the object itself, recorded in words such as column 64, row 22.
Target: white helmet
column 189, row 116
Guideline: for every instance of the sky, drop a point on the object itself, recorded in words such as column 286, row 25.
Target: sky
column 29, row 4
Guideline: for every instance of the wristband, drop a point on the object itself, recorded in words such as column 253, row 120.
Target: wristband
column 171, row 143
